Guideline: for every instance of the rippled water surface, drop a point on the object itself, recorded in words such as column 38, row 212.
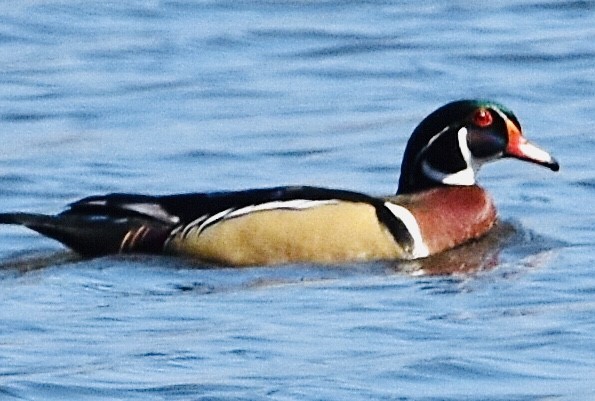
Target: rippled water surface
column 179, row 96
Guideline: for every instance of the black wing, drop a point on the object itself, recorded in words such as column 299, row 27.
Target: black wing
column 184, row 208
column 116, row 222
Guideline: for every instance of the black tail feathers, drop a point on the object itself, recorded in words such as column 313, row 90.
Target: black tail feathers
column 95, row 235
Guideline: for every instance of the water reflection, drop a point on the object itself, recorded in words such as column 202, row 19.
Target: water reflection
column 477, row 256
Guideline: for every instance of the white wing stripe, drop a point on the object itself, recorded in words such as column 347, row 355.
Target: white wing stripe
column 213, row 219
column 296, row 204
column 203, row 222
column 153, row 210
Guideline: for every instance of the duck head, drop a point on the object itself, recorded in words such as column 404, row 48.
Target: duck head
column 450, row 145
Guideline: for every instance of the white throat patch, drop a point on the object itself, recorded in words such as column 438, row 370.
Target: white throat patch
column 463, row 177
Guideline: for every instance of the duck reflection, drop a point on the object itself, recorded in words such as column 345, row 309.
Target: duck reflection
column 484, row 253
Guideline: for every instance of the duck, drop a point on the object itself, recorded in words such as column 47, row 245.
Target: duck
column 438, row 205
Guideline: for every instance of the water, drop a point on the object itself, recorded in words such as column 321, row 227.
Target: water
column 163, row 97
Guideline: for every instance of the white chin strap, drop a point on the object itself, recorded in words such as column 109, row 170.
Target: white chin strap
column 464, row 177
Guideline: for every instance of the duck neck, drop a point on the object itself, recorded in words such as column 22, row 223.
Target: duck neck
column 409, row 185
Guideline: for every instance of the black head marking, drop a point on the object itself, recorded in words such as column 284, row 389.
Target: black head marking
column 448, row 146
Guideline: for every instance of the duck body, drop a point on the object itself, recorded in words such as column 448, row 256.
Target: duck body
column 438, row 206
column 271, row 226
column 340, row 227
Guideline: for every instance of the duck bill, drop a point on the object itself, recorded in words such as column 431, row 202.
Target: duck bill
column 519, row 148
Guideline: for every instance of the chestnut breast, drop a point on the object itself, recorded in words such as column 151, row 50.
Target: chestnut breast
column 450, row 216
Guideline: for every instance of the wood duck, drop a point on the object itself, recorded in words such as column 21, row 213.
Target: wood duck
column 437, row 206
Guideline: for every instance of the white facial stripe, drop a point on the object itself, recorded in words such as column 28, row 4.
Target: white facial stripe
column 463, row 177
column 462, row 138
column 420, row 249
column 432, row 139
column 497, row 110
column 466, row 176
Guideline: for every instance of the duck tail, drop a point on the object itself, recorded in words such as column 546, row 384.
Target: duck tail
column 95, row 235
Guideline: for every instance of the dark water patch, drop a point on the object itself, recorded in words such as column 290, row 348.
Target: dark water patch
column 297, row 153
column 205, row 155
column 355, row 73
column 350, row 49
column 532, row 58
column 43, row 96
column 7, row 38
column 227, row 42
column 231, row 93
column 10, row 394
column 113, row 169
column 149, row 13
column 555, row 6
column 83, row 14
column 185, row 390
column 10, row 180
column 195, row 287
column 446, row 367
column 153, row 86
column 315, row 34
column 27, row 117
column 587, row 184
column 169, row 358
column 526, row 242
column 389, row 169
column 30, row 260
column 16, row 117
column 54, row 391
column 25, row 31
column 267, row 6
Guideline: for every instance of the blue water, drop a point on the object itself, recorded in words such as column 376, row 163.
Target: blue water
column 163, row 97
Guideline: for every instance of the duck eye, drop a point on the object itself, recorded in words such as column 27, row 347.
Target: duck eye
column 483, row 118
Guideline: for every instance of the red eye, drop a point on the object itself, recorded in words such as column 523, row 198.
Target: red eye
column 483, row 118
